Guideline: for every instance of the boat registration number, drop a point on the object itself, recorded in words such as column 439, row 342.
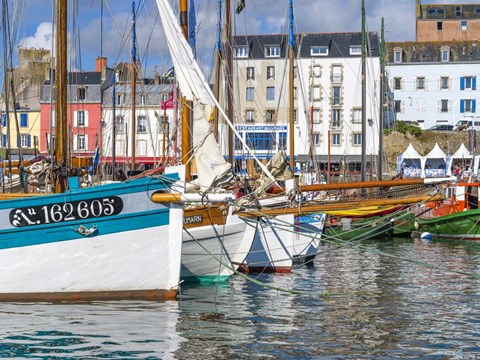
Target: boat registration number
column 66, row 211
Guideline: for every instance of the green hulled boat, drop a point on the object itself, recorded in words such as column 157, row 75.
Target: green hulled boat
column 463, row 225
column 377, row 228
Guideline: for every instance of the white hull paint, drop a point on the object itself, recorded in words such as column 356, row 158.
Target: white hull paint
column 229, row 243
column 133, row 260
column 308, row 233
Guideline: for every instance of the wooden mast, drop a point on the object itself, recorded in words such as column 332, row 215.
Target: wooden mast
column 186, row 147
column 364, row 99
column 382, row 101
column 61, row 98
column 133, row 73
column 229, row 56
column 291, row 79
column 218, row 60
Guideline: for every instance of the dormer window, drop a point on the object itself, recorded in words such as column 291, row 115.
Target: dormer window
column 355, row 50
column 241, row 52
column 272, row 51
column 397, row 56
column 319, row 51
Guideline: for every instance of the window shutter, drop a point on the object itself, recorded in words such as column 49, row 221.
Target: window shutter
column 439, row 83
column 425, row 84
column 23, row 120
column 75, row 118
column 474, row 83
column 402, row 106
column 462, row 83
column 19, row 139
column 474, row 103
column 75, row 144
column 402, row 83
column 439, row 106
column 86, row 118
column 462, row 106
column 449, row 105
column 4, row 140
column 86, row 142
column 29, row 141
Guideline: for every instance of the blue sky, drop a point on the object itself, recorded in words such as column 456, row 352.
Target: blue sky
column 259, row 16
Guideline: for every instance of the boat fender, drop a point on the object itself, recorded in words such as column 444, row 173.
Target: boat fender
column 426, row 236
column 417, row 225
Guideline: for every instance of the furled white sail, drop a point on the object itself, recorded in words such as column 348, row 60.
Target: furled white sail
column 212, row 169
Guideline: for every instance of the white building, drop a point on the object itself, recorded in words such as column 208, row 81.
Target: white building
column 328, row 113
column 434, row 83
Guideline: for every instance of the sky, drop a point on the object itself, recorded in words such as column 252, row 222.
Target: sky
column 259, row 17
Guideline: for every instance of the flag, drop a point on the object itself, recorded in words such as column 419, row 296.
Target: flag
column 192, row 24
column 96, row 156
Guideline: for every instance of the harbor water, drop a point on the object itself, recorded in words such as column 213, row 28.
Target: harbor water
column 388, row 300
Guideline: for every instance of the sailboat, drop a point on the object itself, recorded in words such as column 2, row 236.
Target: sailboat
column 104, row 242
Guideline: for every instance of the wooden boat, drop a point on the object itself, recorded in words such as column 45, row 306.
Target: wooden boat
column 348, row 229
column 456, row 217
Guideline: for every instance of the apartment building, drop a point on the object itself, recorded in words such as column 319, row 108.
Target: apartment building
column 434, row 83
column 327, row 92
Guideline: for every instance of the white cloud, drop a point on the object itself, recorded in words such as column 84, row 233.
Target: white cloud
column 42, row 39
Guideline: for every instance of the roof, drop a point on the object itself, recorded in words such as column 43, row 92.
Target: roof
column 82, row 78
column 338, row 44
column 462, row 153
column 431, row 51
column 436, row 153
column 411, row 153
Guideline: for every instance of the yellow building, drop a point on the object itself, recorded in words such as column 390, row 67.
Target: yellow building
column 29, row 130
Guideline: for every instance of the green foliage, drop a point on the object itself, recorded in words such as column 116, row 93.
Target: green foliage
column 403, row 127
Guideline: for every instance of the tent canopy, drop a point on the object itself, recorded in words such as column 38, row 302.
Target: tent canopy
column 462, row 153
column 411, row 153
column 436, row 153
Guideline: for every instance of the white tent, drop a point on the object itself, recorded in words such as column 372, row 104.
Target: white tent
column 410, row 162
column 434, row 164
column 462, row 153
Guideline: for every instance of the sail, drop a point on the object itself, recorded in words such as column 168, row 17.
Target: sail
column 212, row 168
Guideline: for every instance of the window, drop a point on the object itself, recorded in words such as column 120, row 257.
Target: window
column 81, row 119
column 420, row 83
column 336, row 139
column 163, row 124
column 445, row 55
column 357, row 116
column 81, row 143
column 336, row 114
column 120, row 125
column 468, row 83
column 458, row 11
column 120, row 147
column 337, row 74
column 357, row 139
column 398, row 106
column 25, row 140
column 282, row 140
column 164, row 97
column 295, row 92
column 141, row 124
column 319, row 51
column 440, row 25
column 250, row 93
column 270, row 93
column 81, row 93
column 270, row 116
column 444, row 106
column 444, row 82
column 141, row 148
column 295, row 115
column 241, row 52
column 270, row 72
column 4, row 120
column 120, row 98
column 249, row 116
column 397, row 83
column 260, row 141
column 23, row 120
column 316, row 92
column 463, row 25
column 355, row 50
column 238, row 143
column 250, row 73
column 397, row 56
column 316, row 139
column 272, row 51
column 336, row 95
column 316, row 116
column 142, row 99
column 467, row 106
column 316, row 70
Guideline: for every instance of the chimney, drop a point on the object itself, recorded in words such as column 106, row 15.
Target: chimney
column 100, row 63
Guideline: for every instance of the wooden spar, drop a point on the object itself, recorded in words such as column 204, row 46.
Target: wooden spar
column 382, row 101
column 335, row 205
column 186, row 147
column 61, row 92
column 133, row 72
column 218, row 63
column 364, row 100
column 291, row 79
column 229, row 56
